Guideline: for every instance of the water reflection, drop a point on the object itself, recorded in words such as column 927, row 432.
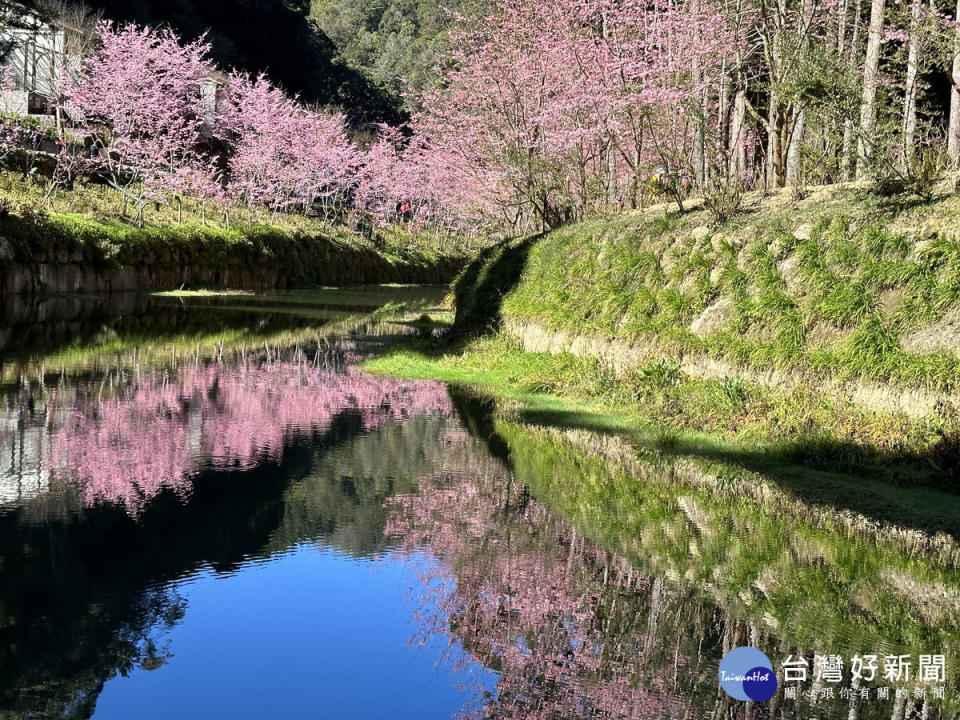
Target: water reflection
column 199, row 518
column 126, row 438
column 577, row 631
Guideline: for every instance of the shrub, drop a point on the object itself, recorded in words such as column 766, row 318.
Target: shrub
column 918, row 176
column 723, row 197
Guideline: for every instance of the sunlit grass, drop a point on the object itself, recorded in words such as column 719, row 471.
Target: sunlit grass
column 202, row 293
column 857, row 272
column 753, row 425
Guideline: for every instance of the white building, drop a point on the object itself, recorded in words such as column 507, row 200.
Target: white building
column 32, row 51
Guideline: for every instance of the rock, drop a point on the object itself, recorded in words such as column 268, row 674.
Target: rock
column 790, row 272
column 719, row 242
column 920, row 247
column 716, row 273
column 826, row 335
column 700, row 233
column 713, row 318
column 803, row 232
column 687, row 283
column 6, row 249
column 940, row 336
column 928, row 230
column 888, row 300
column 760, row 333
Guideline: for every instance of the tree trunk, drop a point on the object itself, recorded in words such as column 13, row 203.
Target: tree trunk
column 910, row 92
column 868, row 109
column 846, row 152
column 793, row 151
column 699, row 148
column 794, row 132
column 953, row 135
column 773, row 143
column 738, row 145
column 899, row 707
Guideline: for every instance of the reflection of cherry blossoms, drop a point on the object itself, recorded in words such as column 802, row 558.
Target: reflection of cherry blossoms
column 159, row 430
column 567, row 627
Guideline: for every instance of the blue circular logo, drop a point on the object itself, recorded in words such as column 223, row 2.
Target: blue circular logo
column 747, row 674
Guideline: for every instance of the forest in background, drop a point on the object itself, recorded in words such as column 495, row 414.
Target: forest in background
column 515, row 115
column 396, row 43
column 276, row 37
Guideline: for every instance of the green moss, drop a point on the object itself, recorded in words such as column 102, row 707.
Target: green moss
column 300, row 258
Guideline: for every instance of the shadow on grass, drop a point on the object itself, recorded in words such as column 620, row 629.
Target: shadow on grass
column 481, row 287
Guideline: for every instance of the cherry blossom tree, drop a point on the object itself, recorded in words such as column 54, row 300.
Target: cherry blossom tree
column 138, row 95
column 281, row 154
column 561, row 101
column 399, row 169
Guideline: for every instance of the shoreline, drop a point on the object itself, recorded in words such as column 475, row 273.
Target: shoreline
column 75, row 254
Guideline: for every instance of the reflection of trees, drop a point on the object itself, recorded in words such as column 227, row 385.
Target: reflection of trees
column 572, row 631
column 124, row 442
column 577, row 632
column 34, row 326
column 84, row 582
column 343, row 496
column 62, row 634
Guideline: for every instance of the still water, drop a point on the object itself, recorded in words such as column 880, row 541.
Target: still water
column 207, row 510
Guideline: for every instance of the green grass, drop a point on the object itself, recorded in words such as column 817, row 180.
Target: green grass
column 731, row 420
column 331, row 257
column 826, row 549
column 202, row 293
column 102, row 204
column 85, row 225
column 637, row 279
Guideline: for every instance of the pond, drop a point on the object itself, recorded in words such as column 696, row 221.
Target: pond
column 208, row 510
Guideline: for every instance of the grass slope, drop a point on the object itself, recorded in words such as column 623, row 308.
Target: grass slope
column 837, row 287
column 90, row 224
column 838, row 283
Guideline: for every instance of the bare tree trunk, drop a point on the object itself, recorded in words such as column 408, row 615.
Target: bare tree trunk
column 846, row 153
column 723, row 119
column 868, row 102
column 738, row 154
column 773, row 143
column 795, row 131
column 793, row 151
column 699, row 147
column 910, row 92
column 953, row 134
column 699, row 152
column 899, row 707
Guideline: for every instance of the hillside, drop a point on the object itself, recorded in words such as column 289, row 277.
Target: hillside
column 395, row 43
column 837, row 284
column 822, row 331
